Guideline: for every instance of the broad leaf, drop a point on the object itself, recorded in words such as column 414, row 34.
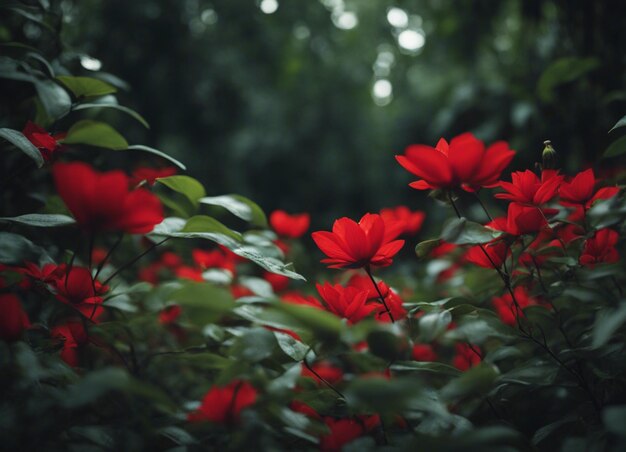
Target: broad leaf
column 428, row 367
column 618, row 124
column 239, row 206
column 16, row 249
column 41, row 220
column 55, row 100
column 185, row 185
column 121, row 108
column 423, row 249
column 460, row 231
column 140, row 147
column 608, row 321
column 21, row 142
column 618, row 147
column 86, row 86
column 94, row 133
column 562, row 71
column 203, row 227
column 293, row 348
column 474, row 382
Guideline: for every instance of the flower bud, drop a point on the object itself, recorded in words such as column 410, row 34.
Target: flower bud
column 548, row 156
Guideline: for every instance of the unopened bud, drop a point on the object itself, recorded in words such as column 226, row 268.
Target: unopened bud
column 548, row 156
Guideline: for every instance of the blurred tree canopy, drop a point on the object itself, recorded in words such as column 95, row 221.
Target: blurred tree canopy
column 302, row 105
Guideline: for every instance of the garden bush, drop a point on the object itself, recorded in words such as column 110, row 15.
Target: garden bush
column 139, row 313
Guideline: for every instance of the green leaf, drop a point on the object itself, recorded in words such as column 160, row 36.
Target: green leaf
column 254, row 345
column 618, row 147
column 384, row 344
column 185, row 185
column 293, row 348
column 18, row 140
column 121, row 108
column 460, row 231
column 211, row 300
column 19, row 9
column 41, row 220
column 86, row 86
column 432, row 324
column 614, row 418
column 16, row 249
column 381, row 395
column 608, row 321
column 417, row 366
column 618, row 124
column 177, row 435
column 562, row 71
column 239, row 206
column 474, row 382
column 100, row 435
column 41, row 60
column 204, row 224
column 98, row 383
column 94, row 133
column 204, row 227
column 140, row 147
column 423, row 249
column 323, row 324
column 55, row 100
column 547, row 430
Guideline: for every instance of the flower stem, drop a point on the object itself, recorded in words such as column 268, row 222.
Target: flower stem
column 382, row 298
column 128, row 264
column 322, row 379
column 483, row 206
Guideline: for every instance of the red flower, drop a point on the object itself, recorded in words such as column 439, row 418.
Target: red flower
column 300, row 299
column 98, row 255
column 343, row 431
column 47, row 144
column 278, row 282
column 150, row 175
column 346, row 302
column 505, row 307
column 423, row 352
column 489, row 255
column 524, row 220
column 580, row 190
column 465, row 357
column 46, row 274
column 76, row 288
column 408, row 222
column 187, row 272
column 393, row 300
column 150, row 273
column 169, row 314
column 301, row 407
column 223, row 404
column 239, row 291
column 442, row 249
column 289, row 226
column 215, row 258
column 332, row 374
column 527, row 189
column 102, row 201
column 73, row 335
column 463, row 163
column 13, row 319
column 170, row 260
column 600, row 248
column 355, row 245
